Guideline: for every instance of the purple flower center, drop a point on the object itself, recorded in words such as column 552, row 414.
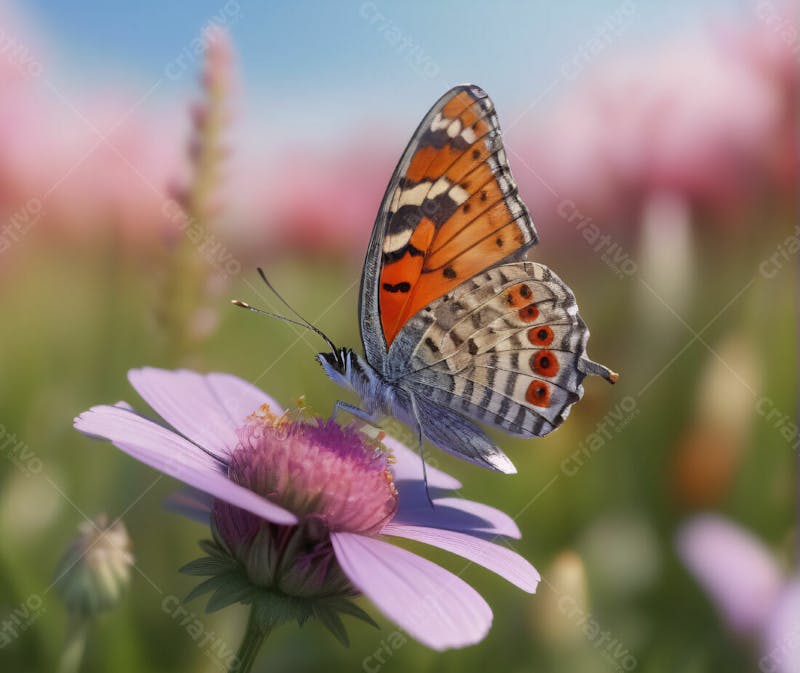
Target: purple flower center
column 330, row 476
column 318, row 470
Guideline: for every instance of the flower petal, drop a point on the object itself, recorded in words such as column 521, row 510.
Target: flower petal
column 497, row 558
column 240, row 398
column 437, row 608
column 173, row 455
column 409, row 467
column 456, row 514
column 206, row 409
column 781, row 641
column 737, row 571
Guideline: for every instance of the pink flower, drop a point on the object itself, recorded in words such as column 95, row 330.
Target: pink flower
column 744, row 582
column 327, row 201
column 322, row 498
column 691, row 116
column 734, row 568
column 781, row 642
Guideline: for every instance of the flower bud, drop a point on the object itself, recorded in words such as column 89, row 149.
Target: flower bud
column 96, row 568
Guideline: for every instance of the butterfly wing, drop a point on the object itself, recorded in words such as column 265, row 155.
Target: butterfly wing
column 450, row 211
column 506, row 347
column 449, row 311
column 454, row 433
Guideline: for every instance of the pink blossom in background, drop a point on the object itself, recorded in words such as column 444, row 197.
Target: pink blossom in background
column 781, row 649
column 684, row 117
column 707, row 122
column 711, row 119
column 122, row 180
column 736, row 569
column 23, row 112
column 745, row 583
column 327, row 202
column 771, row 49
column 90, row 161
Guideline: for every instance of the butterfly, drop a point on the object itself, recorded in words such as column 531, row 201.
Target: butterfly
column 457, row 326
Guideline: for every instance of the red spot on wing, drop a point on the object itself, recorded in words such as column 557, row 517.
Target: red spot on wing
column 540, row 336
column 518, row 295
column 544, row 363
column 538, row 394
column 529, row 314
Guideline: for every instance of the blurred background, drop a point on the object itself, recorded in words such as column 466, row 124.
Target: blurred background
column 152, row 155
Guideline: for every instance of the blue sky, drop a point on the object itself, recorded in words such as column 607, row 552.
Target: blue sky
column 319, row 64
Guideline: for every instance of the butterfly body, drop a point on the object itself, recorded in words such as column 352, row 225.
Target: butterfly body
column 351, row 371
column 382, row 397
column 457, row 325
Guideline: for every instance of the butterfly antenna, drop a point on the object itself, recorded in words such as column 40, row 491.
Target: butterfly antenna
column 306, row 325
column 291, row 308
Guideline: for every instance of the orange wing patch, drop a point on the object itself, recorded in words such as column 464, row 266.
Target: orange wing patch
column 456, row 105
column 430, row 162
column 395, row 283
column 454, row 213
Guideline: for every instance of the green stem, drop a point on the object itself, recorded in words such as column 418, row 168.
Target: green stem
column 253, row 639
column 74, row 645
column 189, row 266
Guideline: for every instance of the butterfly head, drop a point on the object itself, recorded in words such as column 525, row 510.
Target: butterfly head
column 336, row 364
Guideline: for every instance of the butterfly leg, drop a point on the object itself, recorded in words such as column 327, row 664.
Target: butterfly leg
column 421, row 448
column 353, row 410
column 374, row 420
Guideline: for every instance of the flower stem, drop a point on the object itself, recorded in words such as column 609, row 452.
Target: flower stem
column 190, row 266
column 74, row 645
column 254, row 637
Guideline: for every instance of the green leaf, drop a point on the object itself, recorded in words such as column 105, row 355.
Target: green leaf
column 213, row 549
column 204, row 587
column 208, row 565
column 348, row 608
column 330, row 619
column 235, row 590
column 272, row 608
